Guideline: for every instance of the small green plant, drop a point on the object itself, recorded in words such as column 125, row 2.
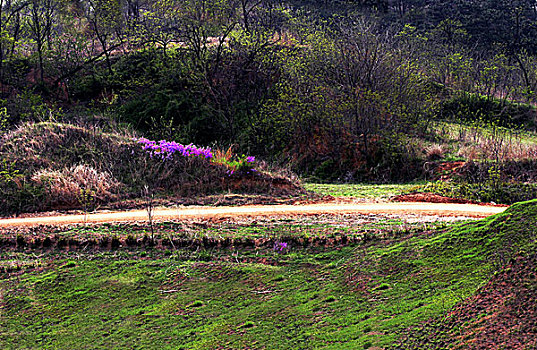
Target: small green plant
column 197, row 303
column 4, row 116
column 247, row 324
column 494, row 177
column 8, row 173
column 86, row 198
column 147, row 194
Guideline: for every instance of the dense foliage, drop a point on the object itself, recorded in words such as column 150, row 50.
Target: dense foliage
column 338, row 89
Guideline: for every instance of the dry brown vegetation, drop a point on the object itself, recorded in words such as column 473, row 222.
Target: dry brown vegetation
column 486, row 143
column 57, row 165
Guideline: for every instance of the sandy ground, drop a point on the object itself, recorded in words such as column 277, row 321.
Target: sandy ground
column 160, row 214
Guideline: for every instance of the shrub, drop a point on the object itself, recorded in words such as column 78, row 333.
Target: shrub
column 166, row 149
column 434, row 152
column 16, row 195
column 473, row 108
column 167, row 113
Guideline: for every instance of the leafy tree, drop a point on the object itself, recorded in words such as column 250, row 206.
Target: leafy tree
column 10, row 29
column 160, row 25
column 40, row 17
column 106, row 22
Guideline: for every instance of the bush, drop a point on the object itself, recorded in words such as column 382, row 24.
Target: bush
column 502, row 192
column 472, row 108
column 166, row 112
column 16, row 195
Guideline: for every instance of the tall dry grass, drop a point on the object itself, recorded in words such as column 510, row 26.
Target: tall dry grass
column 71, row 186
column 488, row 143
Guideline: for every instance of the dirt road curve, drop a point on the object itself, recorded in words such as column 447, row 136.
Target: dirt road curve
column 440, row 209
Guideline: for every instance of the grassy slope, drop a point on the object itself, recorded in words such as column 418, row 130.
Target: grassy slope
column 356, row 296
column 368, row 191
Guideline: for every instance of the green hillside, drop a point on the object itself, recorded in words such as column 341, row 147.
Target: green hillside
column 271, row 289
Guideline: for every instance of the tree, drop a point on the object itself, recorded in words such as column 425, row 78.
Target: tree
column 106, row 22
column 160, row 25
column 40, row 21
column 10, row 28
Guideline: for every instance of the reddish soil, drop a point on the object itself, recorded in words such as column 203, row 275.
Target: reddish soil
column 502, row 315
column 446, row 170
column 429, row 198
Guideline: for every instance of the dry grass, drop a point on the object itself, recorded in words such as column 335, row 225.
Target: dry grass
column 485, row 143
column 470, row 153
column 498, row 149
column 55, row 146
column 71, row 186
column 435, row 152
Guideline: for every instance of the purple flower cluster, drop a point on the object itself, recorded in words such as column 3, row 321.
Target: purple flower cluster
column 166, row 149
column 280, row 247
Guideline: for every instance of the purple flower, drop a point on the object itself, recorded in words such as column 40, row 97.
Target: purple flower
column 250, row 159
column 280, row 246
column 166, row 149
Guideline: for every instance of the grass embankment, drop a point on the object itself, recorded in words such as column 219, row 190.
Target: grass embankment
column 480, row 162
column 272, row 286
column 359, row 191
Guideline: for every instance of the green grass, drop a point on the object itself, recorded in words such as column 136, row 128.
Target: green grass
column 453, row 131
column 367, row 191
column 343, row 297
column 309, row 301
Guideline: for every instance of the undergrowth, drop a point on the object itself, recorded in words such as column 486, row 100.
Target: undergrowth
column 501, row 193
column 53, row 166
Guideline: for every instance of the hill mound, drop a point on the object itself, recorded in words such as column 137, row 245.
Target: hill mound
column 61, row 166
column 502, row 312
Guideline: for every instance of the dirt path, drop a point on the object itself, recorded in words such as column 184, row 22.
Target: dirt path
column 440, row 209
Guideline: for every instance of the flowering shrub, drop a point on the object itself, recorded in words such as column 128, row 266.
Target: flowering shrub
column 243, row 165
column 166, row 150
